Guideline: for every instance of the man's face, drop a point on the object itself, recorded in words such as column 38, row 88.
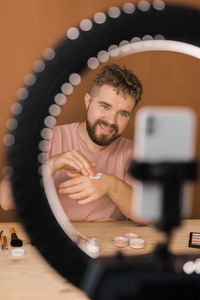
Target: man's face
column 108, row 114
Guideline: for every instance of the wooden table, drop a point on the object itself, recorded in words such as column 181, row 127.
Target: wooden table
column 30, row 277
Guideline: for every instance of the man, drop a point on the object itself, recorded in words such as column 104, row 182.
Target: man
column 80, row 150
column 96, row 146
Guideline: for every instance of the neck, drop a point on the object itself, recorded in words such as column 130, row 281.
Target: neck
column 83, row 134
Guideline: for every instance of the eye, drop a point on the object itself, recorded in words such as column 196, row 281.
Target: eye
column 124, row 114
column 104, row 106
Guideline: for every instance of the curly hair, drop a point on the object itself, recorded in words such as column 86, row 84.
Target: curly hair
column 122, row 79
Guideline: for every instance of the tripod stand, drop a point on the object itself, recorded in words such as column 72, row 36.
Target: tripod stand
column 158, row 274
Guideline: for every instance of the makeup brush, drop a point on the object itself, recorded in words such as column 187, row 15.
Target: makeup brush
column 5, row 242
column 15, row 241
column 2, row 240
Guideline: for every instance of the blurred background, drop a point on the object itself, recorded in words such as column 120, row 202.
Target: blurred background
column 27, row 27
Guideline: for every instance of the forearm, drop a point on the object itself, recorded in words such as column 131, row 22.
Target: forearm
column 121, row 195
column 6, row 197
column 51, row 166
column 87, row 190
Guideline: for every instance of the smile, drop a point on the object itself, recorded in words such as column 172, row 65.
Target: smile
column 105, row 129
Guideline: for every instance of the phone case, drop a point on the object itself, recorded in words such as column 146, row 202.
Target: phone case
column 162, row 134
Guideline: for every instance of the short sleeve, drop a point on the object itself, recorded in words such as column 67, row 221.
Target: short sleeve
column 53, row 143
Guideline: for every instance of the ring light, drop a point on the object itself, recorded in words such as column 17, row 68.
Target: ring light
column 46, row 90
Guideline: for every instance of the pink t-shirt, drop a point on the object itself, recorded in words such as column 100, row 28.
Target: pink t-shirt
column 113, row 159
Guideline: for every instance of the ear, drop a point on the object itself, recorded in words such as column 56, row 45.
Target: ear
column 87, row 100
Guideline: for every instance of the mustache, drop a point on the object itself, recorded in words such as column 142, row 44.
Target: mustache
column 111, row 126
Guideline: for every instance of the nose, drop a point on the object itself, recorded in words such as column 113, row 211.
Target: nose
column 111, row 117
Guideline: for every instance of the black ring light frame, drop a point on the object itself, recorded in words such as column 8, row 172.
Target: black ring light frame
column 177, row 23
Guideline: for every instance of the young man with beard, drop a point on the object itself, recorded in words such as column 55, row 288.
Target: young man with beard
column 80, row 150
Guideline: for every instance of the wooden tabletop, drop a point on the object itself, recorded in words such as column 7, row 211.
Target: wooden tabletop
column 30, row 277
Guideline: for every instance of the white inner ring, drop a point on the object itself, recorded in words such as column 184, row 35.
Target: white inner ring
column 162, row 45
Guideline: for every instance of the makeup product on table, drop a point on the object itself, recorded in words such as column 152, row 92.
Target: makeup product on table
column 137, row 243
column 5, row 242
column 194, row 240
column 120, row 241
column 93, row 247
column 17, row 252
column 131, row 235
column 2, row 240
column 15, row 241
column 130, row 239
column 190, row 266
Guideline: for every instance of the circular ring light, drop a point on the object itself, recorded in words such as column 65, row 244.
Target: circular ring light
column 46, row 90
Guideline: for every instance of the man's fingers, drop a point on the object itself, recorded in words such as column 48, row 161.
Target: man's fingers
column 73, row 174
column 87, row 165
column 72, row 189
column 78, row 196
column 72, row 182
column 73, row 163
column 71, row 160
column 86, row 201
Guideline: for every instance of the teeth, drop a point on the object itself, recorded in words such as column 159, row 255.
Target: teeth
column 105, row 127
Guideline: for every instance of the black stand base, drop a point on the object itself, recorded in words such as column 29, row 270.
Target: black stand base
column 159, row 274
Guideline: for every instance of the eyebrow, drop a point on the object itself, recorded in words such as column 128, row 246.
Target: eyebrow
column 102, row 102
column 105, row 103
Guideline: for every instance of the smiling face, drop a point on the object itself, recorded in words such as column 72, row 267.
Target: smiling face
column 108, row 114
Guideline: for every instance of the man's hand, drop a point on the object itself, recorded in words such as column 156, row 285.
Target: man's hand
column 85, row 189
column 71, row 160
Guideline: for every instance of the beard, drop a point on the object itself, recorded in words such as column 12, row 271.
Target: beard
column 102, row 139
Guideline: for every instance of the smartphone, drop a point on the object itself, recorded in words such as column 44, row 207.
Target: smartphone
column 162, row 134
